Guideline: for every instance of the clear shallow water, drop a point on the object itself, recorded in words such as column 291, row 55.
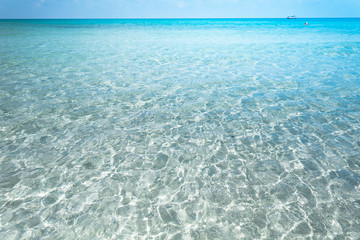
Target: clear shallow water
column 180, row 129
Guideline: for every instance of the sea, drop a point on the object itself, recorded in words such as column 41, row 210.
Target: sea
column 170, row 129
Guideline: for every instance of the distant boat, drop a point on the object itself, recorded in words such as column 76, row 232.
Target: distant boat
column 291, row 17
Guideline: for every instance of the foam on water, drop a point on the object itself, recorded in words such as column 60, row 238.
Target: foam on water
column 180, row 129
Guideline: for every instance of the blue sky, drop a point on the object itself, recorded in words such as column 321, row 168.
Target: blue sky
column 177, row 8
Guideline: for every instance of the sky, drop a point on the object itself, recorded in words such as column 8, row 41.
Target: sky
column 178, row 8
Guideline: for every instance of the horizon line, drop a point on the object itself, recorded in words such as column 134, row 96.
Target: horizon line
column 169, row 18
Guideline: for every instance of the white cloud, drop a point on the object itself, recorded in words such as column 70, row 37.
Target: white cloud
column 39, row 3
column 181, row 4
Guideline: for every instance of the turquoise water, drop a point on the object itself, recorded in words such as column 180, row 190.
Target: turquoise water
column 180, row 129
